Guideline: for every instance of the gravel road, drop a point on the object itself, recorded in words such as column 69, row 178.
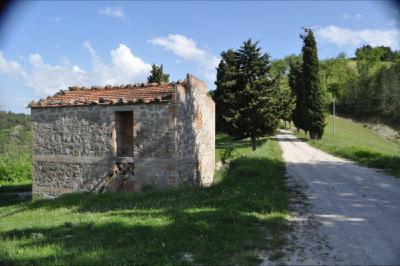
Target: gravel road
column 342, row 213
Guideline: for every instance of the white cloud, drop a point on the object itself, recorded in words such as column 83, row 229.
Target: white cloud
column 355, row 17
column 116, row 12
column 45, row 79
column 77, row 69
column 187, row 49
column 35, row 60
column 345, row 36
column 91, row 51
column 125, row 61
column 42, row 78
column 11, row 68
column 181, row 46
column 125, row 67
column 393, row 22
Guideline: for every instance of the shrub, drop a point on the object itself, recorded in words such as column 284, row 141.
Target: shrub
column 14, row 169
column 226, row 155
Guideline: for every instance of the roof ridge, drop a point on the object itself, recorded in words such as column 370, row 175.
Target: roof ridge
column 130, row 85
column 109, row 95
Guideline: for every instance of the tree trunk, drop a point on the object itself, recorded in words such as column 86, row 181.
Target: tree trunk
column 253, row 143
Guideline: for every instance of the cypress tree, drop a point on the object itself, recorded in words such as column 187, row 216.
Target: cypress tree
column 296, row 84
column 313, row 116
column 157, row 75
column 225, row 86
column 249, row 97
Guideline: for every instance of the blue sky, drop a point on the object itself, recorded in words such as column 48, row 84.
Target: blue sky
column 47, row 46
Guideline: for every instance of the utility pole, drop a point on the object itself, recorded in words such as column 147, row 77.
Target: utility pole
column 334, row 113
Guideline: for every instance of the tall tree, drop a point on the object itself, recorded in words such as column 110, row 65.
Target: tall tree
column 287, row 103
column 279, row 69
column 227, row 72
column 249, row 97
column 295, row 77
column 157, row 75
column 314, row 120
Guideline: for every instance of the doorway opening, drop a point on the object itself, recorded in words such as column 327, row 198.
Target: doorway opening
column 124, row 133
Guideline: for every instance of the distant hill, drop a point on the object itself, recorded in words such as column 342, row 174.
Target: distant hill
column 15, row 148
column 15, row 133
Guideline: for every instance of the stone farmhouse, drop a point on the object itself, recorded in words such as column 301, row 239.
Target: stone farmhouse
column 122, row 138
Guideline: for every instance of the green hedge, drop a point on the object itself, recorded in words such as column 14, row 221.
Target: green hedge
column 15, row 169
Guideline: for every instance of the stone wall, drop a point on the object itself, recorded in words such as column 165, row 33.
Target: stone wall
column 154, row 146
column 70, row 148
column 74, row 148
column 195, row 133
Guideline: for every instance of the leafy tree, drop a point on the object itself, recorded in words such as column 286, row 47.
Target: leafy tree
column 373, row 93
column 379, row 53
column 342, row 55
column 297, row 87
column 389, row 84
column 369, row 53
column 288, row 104
column 314, row 120
column 334, row 75
column 246, row 94
column 157, row 75
column 279, row 69
column 365, row 86
column 387, row 53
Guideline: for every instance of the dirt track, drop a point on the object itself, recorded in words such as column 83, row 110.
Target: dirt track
column 344, row 213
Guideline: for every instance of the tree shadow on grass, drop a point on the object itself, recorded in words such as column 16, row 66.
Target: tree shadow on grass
column 224, row 141
column 198, row 236
column 11, row 194
column 15, row 188
column 221, row 224
column 8, row 199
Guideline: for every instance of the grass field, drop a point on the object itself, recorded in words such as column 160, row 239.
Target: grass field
column 244, row 211
column 355, row 142
column 237, row 148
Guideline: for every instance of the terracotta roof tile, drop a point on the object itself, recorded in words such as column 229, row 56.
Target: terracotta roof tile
column 108, row 95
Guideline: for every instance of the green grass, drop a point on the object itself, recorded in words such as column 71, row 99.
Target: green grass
column 244, row 211
column 238, row 147
column 358, row 143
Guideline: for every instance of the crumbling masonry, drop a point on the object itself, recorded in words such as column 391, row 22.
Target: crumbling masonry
column 121, row 138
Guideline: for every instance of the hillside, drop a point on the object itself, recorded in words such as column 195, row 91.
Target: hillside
column 15, row 143
column 357, row 142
